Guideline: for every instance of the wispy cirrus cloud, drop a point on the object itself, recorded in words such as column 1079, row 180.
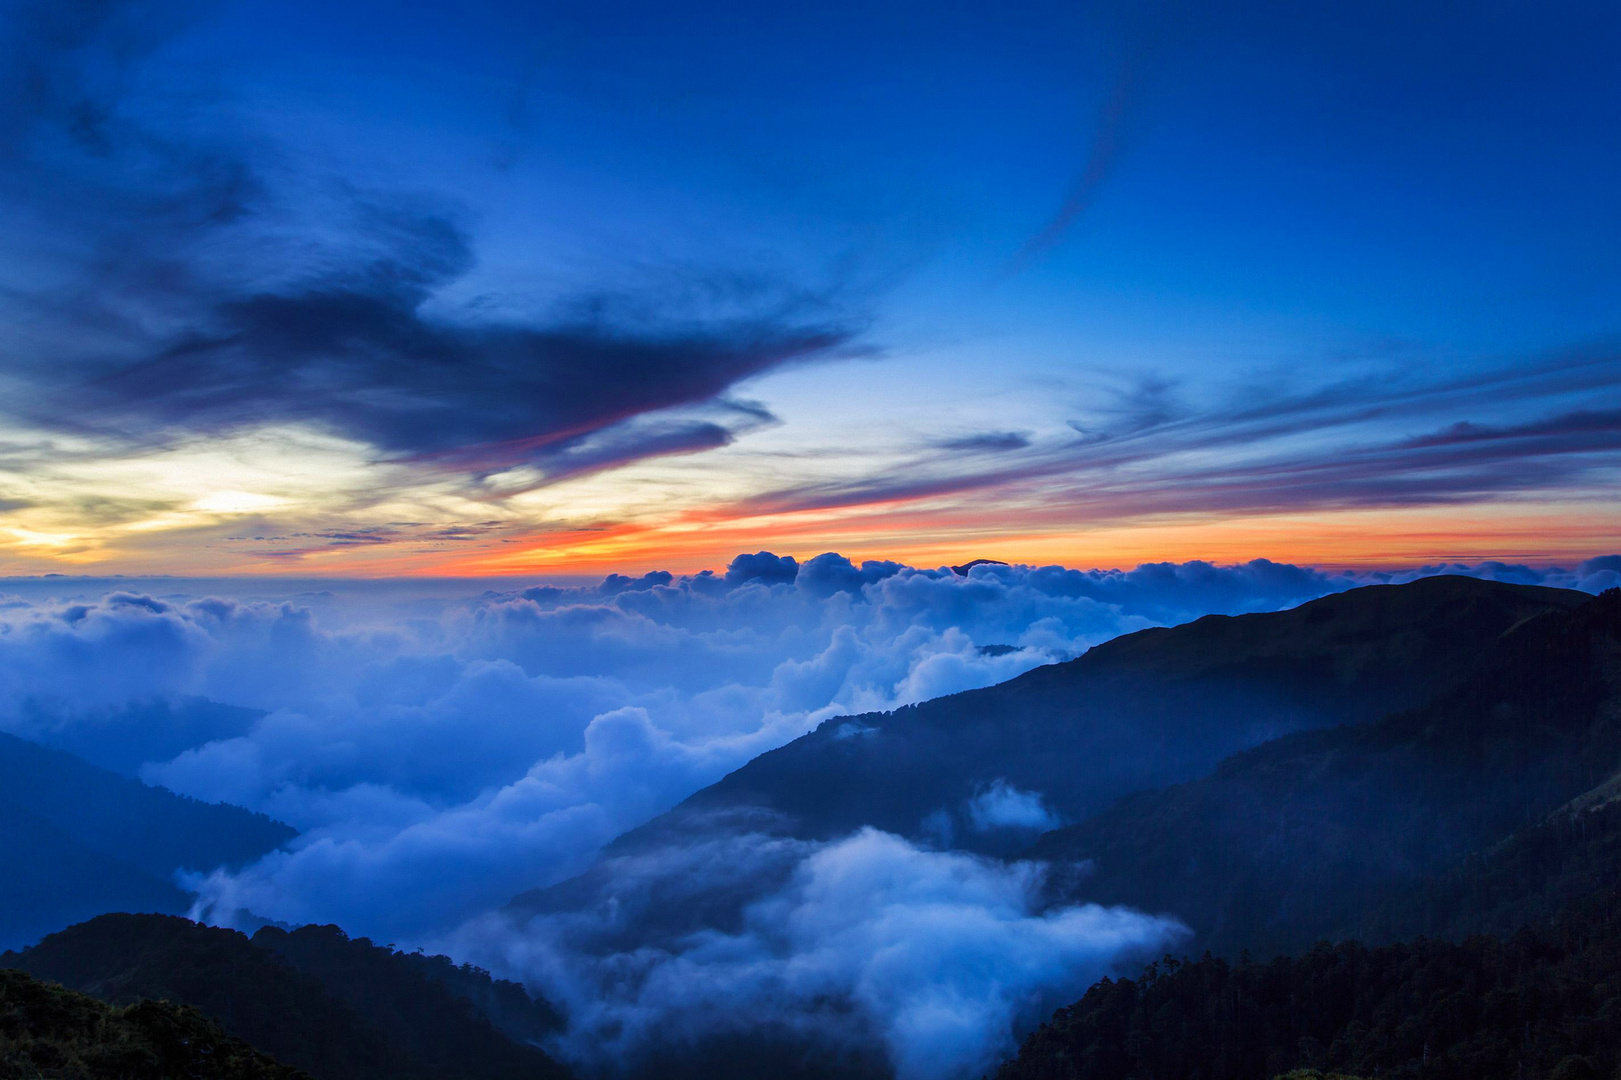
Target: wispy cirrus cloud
column 1394, row 438
column 986, row 441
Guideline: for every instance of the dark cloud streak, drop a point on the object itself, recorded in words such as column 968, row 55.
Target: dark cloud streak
column 1157, row 455
column 987, row 441
column 360, row 358
column 202, row 290
column 1101, row 155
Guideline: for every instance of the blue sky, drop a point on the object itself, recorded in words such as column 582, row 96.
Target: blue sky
column 516, row 274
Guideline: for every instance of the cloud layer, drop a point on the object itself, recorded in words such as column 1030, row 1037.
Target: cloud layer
column 443, row 752
column 868, row 943
column 441, row 762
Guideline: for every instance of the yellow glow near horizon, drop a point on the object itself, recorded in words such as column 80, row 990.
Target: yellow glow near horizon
column 293, row 501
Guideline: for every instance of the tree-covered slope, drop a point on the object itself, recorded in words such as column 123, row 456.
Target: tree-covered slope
column 1541, row 1005
column 77, row 840
column 1310, row 836
column 1537, row 999
column 438, row 1011
column 1403, row 828
column 336, row 1008
column 49, row 1032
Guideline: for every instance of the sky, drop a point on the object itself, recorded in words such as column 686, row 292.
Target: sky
column 510, row 289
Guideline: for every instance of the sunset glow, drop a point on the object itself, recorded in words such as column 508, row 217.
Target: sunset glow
column 514, row 320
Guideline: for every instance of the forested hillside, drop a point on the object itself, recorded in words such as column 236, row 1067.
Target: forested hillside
column 1314, row 835
column 1388, row 831
column 49, row 1032
column 77, row 840
column 1543, row 1004
column 336, row 1008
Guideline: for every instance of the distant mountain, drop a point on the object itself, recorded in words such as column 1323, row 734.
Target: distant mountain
column 77, row 840
column 47, row 878
column 340, row 1009
column 129, row 736
column 46, row 1031
column 962, row 569
column 1145, row 710
column 1317, row 834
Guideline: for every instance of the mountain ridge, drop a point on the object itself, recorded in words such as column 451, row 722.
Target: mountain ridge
column 82, row 840
column 313, row 998
column 1305, row 833
column 1158, row 706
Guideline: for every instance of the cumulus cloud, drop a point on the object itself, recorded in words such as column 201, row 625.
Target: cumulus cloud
column 938, row 958
column 480, row 744
column 1003, row 806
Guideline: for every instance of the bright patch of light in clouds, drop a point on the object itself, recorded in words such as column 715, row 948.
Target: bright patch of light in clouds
column 237, row 502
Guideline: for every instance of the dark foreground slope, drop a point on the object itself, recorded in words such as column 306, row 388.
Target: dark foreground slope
column 340, row 1009
column 1148, row 709
column 77, row 840
column 1542, row 1005
column 1539, row 999
column 46, row 1031
column 1318, row 834
column 415, row 1000
column 1473, row 825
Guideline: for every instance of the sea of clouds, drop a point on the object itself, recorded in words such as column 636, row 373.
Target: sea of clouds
column 937, row 958
column 442, row 751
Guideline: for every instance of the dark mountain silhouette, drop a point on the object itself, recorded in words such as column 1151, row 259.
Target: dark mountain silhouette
column 961, row 570
column 408, row 995
column 1145, row 710
column 1540, row 1005
column 1472, row 825
column 125, row 738
column 46, row 1031
column 1535, row 998
column 1310, row 836
column 340, row 1009
column 77, row 840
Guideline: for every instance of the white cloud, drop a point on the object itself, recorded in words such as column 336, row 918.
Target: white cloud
column 938, row 957
column 1003, row 806
column 443, row 752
